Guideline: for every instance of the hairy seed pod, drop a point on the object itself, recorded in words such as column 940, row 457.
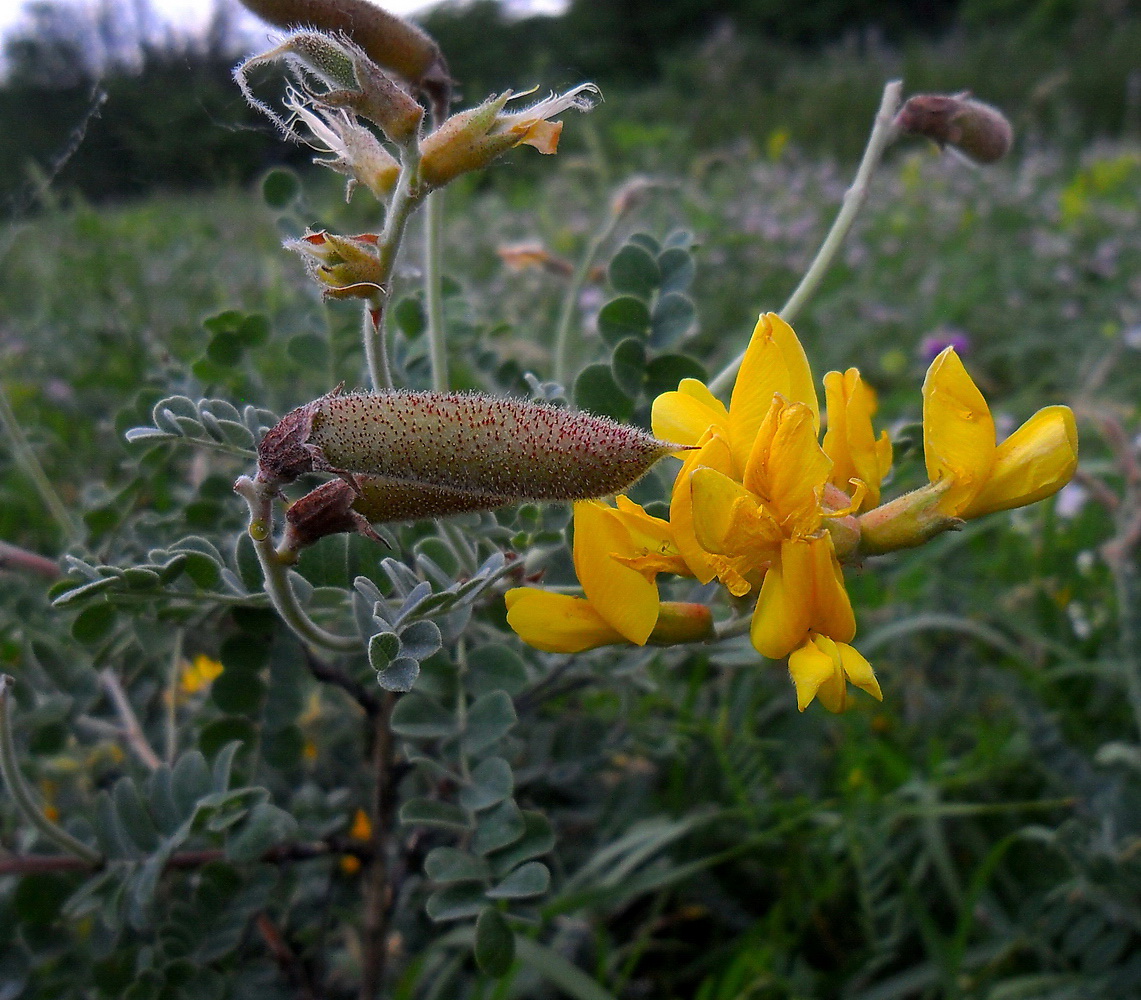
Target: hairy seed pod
column 336, row 507
column 390, row 41
column 468, row 442
column 979, row 131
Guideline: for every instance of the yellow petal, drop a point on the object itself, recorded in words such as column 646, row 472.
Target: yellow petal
column 1035, row 462
column 850, row 441
column 958, row 431
column 715, row 455
column 542, row 135
column 797, row 468
column 781, row 619
column 774, row 362
column 621, row 595
column 858, row 670
column 815, row 671
column 685, row 415
column 714, row 497
column 557, row 623
column 831, row 609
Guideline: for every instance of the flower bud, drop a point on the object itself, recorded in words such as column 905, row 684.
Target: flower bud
column 336, row 507
column 474, row 138
column 347, row 266
column 977, row 130
column 679, row 621
column 389, row 41
column 907, row 521
column 492, row 445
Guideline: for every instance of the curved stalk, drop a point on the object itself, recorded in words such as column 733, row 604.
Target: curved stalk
column 276, row 574
column 573, row 291
column 883, row 134
column 22, row 794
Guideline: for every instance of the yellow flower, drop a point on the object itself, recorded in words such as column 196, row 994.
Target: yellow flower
column 197, row 676
column 618, row 554
column 959, row 446
column 850, row 442
column 822, row 668
column 752, row 496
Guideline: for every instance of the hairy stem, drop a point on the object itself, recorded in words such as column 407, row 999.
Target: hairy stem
column 22, row 794
column 132, row 731
column 405, row 199
column 276, row 575
column 883, row 134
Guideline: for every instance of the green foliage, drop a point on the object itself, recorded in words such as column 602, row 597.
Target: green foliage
column 657, row 822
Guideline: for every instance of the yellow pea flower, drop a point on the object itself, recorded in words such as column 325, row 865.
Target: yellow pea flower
column 959, row 446
column 822, row 668
column 618, row 553
column 850, row 442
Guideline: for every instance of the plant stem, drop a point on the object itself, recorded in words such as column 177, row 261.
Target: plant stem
column 883, row 134
column 434, row 289
column 22, row 795
column 132, row 731
column 405, row 199
column 378, row 898
column 276, row 575
column 571, row 296
column 14, row 557
column 376, row 343
column 26, row 459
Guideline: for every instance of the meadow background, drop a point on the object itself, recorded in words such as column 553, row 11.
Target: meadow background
column 976, row 835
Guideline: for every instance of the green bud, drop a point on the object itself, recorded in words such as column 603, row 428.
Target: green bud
column 467, row 442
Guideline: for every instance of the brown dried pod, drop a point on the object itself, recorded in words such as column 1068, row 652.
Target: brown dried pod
column 979, row 131
column 390, row 41
column 468, row 442
column 336, row 507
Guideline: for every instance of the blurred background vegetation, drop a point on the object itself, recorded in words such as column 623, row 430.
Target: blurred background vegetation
column 156, row 107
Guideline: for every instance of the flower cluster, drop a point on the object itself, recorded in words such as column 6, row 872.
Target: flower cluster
column 770, row 510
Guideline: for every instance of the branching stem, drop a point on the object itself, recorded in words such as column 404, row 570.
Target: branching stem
column 22, row 794
column 258, row 497
column 883, row 134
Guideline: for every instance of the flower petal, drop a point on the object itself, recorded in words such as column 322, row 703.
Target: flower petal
column 715, row 455
column 685, row 415
column 858, row 670
column 774, row 362
column 557, row 623
column 831, row 609
column 622, row 595
column 715, row 496
column 850, row 441
column 958, row 431
column 814, row 671
column 782, row 616
column 1035, row 462
column 797, row 469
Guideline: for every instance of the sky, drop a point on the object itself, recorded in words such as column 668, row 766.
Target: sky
column 195, row 12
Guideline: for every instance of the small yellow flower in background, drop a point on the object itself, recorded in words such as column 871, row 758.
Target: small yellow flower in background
column 959, row 446
column 850, row 442
column 197, row 675
column 361, row 832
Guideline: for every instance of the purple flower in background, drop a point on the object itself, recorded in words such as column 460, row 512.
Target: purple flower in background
column 942, row 338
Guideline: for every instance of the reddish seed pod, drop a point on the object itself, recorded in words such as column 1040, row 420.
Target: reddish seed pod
column 977, row 130
column 467, row 442
column 336, row 507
